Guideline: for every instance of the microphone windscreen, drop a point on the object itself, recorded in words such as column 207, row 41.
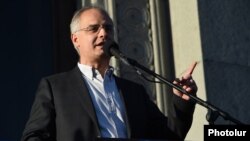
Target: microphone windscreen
column 108, row 45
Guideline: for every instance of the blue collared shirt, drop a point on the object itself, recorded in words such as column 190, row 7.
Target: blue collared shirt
column 107, row 101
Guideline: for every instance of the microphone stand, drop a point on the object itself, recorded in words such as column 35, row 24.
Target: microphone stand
column 214, row 112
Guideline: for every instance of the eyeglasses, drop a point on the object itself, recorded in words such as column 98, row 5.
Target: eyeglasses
column 97, row 27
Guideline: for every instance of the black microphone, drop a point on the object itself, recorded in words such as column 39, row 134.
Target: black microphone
column 108, row 45
column 112, row 49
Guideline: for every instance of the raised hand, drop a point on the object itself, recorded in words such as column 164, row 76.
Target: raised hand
column 186, row 82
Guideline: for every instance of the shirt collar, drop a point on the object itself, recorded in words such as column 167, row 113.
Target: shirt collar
column 92, row 73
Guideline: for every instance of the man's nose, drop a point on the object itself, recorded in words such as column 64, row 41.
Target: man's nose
column 103, row 32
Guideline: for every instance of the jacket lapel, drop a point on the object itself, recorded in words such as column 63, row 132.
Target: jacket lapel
column 82, row 93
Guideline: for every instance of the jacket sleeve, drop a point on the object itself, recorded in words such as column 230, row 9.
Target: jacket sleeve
column 180, row 115
column 41, row 123
column 173, row 126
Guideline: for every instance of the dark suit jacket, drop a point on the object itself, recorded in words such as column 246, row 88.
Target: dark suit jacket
column 63, row 111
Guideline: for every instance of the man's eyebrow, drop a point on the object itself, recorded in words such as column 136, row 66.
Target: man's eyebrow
column 93, row 24
column 100, row 24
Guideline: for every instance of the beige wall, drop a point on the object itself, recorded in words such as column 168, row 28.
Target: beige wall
column 187, row 49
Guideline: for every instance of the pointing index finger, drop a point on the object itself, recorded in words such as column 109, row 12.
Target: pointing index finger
column 191, row 68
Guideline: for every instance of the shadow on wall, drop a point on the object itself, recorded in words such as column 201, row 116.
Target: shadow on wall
column 225, row 28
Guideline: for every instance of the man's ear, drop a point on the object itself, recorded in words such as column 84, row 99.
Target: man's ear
column 74, row 39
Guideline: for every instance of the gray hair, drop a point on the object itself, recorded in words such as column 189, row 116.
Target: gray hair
column 75, row 22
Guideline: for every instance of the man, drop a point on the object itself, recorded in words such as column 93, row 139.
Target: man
column 89, row 102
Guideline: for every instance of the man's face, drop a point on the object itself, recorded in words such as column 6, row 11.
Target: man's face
column 96, row 28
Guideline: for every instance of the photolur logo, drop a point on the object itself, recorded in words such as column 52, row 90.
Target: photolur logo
column 227, row 132
column 215, row 132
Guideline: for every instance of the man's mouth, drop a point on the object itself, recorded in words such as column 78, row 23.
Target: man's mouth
column 100, row 44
